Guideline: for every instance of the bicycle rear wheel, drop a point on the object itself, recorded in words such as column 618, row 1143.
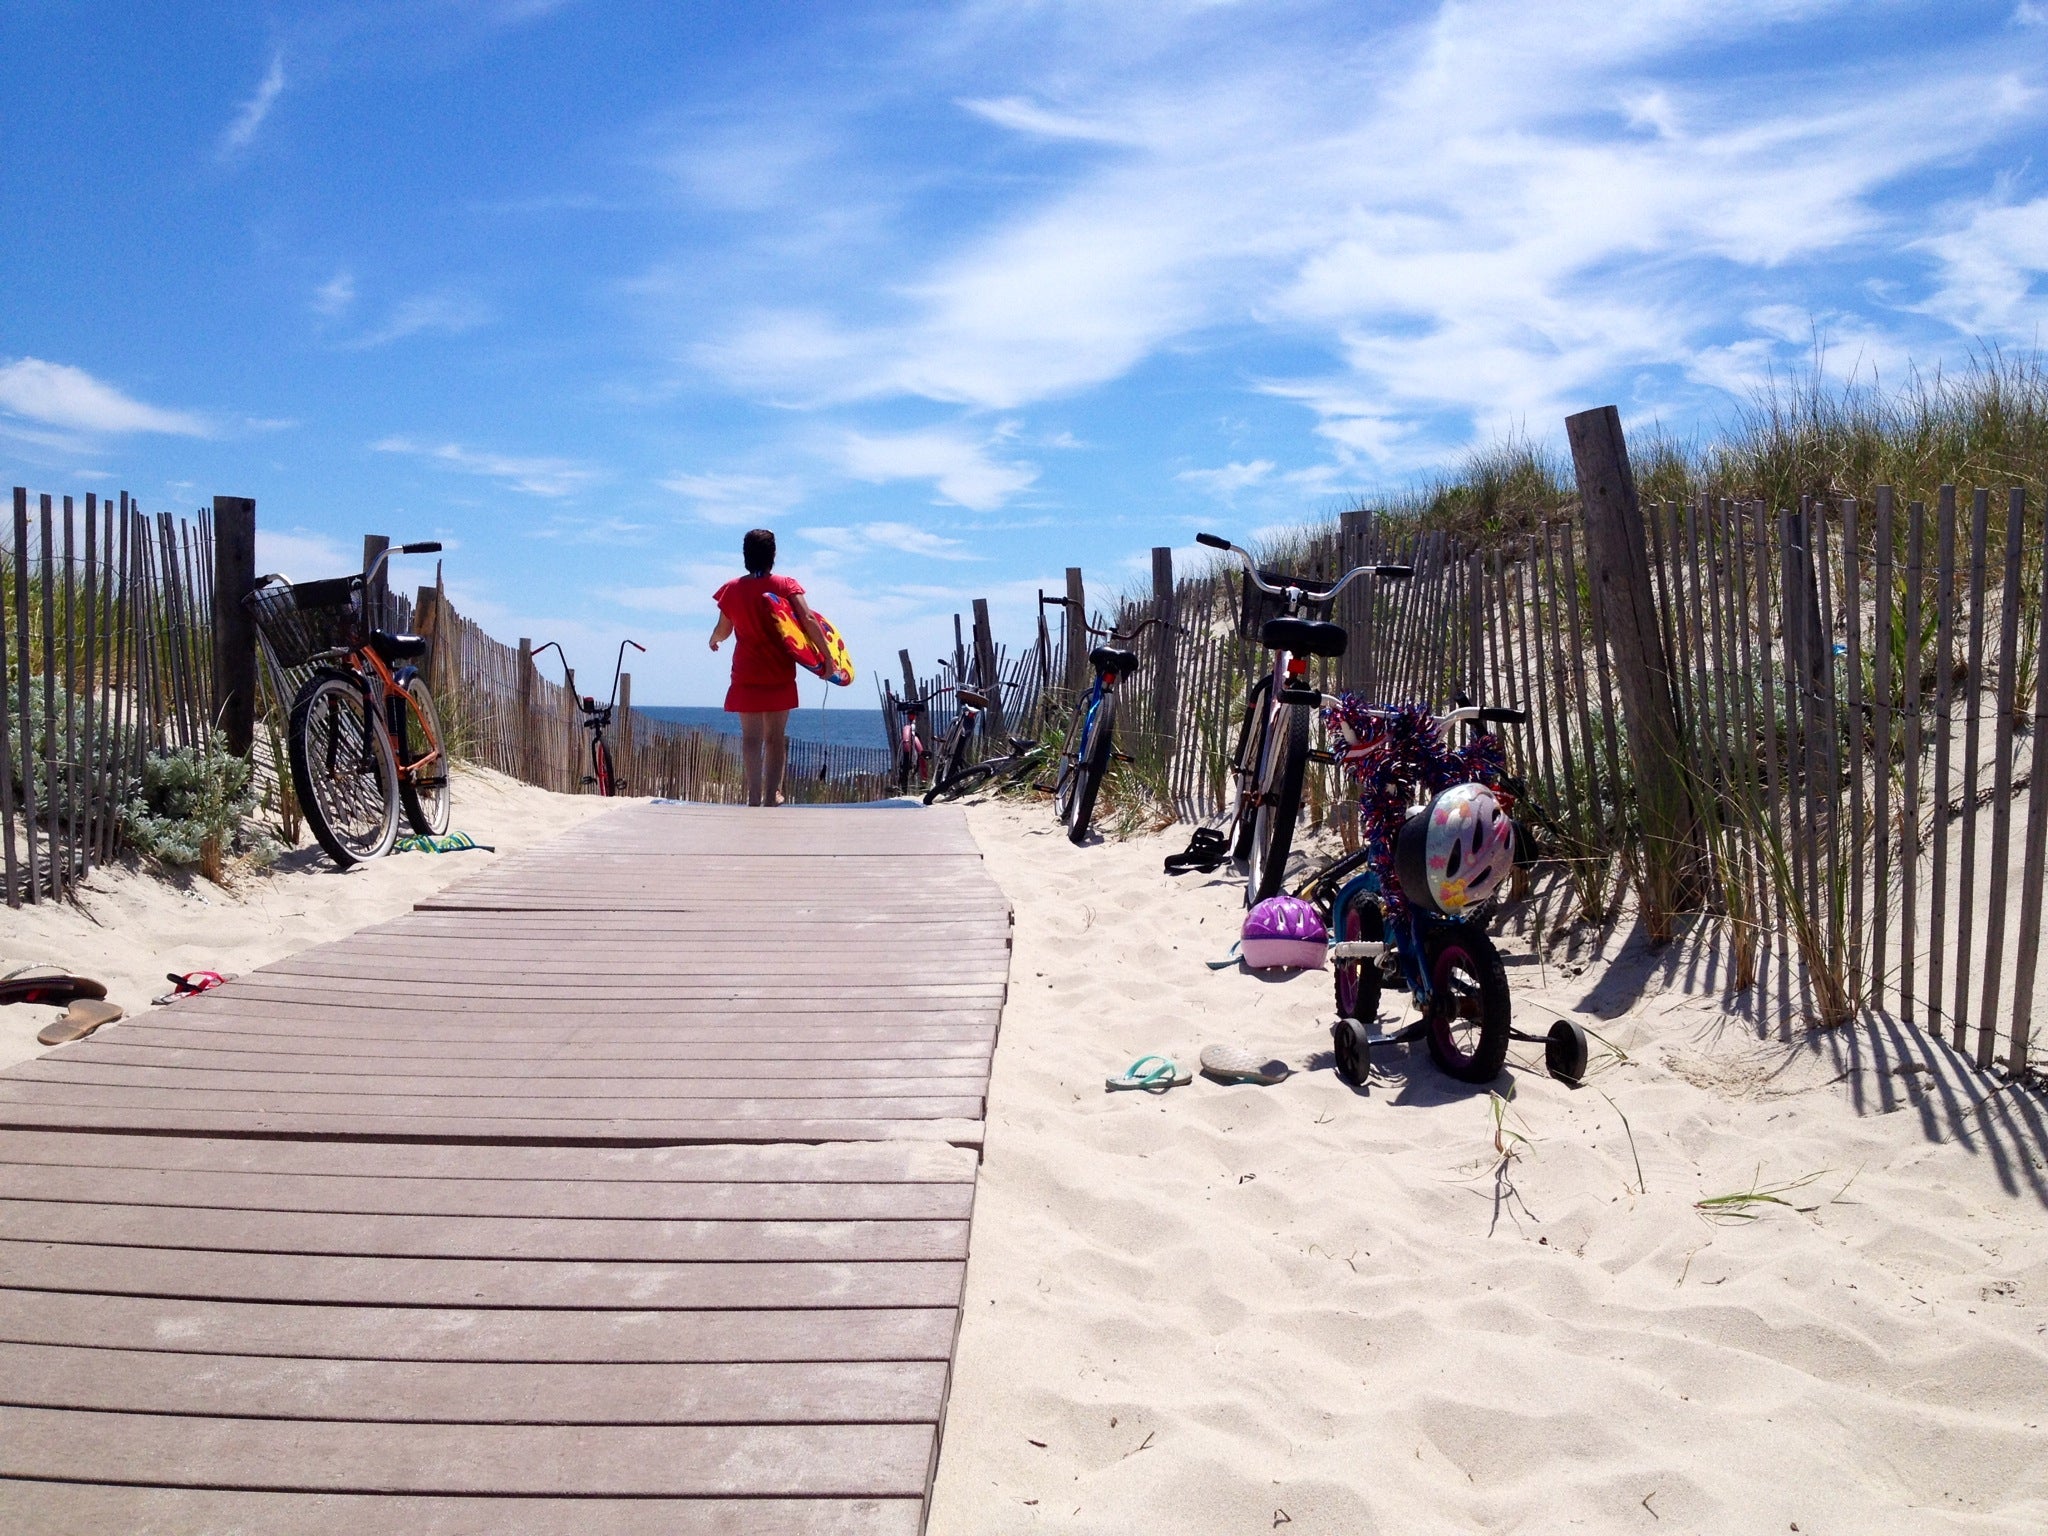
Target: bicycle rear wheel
column 425, row 794
column 601, row 767
column 1092, row 764
column 1280, row 778
column 343, row 769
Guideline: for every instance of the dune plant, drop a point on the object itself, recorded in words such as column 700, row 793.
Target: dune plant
column 191, row 808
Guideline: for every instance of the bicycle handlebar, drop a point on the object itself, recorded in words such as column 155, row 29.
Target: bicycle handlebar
column 1113, row 633
column 1323, row 599
column 428, row 547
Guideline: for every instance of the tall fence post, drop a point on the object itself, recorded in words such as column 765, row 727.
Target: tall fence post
column 1074, row 633
column 525, row 755
column 1618, row 562
column 234, row 634
column 624, row 765
column 374, row 544
column 986, row 677
column 909, row 675
column 1166, row 676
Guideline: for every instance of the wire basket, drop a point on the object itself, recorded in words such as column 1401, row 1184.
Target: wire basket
column 303, row 621
column 1255, row 607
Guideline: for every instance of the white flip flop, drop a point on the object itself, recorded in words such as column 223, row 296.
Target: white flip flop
column 1238, row 1064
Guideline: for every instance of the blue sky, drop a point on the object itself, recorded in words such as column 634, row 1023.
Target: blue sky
column 952, row 296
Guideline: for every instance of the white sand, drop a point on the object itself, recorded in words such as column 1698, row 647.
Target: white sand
column 1242, row 1309
column 132, row 926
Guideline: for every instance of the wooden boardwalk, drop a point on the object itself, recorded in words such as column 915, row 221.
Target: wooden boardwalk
column 622, row 1187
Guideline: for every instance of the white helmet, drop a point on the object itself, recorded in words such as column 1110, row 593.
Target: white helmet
column 1456, row 853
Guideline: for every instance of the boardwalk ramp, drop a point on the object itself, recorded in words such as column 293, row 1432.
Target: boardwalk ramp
column 622, row 1187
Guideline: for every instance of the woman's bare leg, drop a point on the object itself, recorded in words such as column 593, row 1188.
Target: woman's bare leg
column 753, row 753
column 775, row 756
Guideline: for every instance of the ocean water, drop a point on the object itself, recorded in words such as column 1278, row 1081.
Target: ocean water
column 832, row 726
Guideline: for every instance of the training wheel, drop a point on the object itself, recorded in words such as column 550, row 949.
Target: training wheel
column 1564, row 1052
column 1354, row 1056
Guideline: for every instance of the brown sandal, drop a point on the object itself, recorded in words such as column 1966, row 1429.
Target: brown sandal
column 46, row 984
column 79, row 1020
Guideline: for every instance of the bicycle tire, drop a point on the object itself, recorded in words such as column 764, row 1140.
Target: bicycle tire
column 601, row 767
column 343, row 769
column 965, row 782
column 1357, row 982
column 1278, row 808
column 1095, row 751
column 429, row 802
column 1470, row 1014
column 1251, row 738
column 1068, row 779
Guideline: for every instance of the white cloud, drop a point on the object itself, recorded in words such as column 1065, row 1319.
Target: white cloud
column 959, row 467
column 445, row 311
column 548, row 477
column 904, row 538
column 1228, row 480
column 58, row 395
column 302, row 554
column 1991, row 270
column 736, row 500
column 242, row 131
column 336, row 295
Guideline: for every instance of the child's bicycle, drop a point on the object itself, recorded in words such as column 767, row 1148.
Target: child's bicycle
column 1404, row 910
column 596, row 717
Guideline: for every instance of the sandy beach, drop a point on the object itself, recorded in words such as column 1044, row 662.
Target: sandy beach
column 1300, row 1307
column 132, row 925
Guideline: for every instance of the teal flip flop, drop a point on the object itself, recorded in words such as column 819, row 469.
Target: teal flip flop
column 1154, row 1074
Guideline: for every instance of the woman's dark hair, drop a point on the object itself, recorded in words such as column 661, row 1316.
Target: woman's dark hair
column 758, row 550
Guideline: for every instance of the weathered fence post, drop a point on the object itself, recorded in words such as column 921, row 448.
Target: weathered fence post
column 1074, row 633
column 986, row 677
column 909, row 675
column 374, row 544
column 524, row 757
column 624, row 763
column 1166, row 676
column 1617, row 558
column 234, row 635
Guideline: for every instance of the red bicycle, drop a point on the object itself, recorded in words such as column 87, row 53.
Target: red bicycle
column 596, row 717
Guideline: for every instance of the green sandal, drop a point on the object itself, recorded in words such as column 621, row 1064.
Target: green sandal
column 1154, row 1074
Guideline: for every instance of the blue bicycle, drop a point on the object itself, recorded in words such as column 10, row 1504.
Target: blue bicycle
column 1091, row 735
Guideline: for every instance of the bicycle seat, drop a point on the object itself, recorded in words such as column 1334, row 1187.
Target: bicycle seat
column 1304, row 637
column 1107, row 658
column 394, row 648
column 970, row 698
column 1023, row 743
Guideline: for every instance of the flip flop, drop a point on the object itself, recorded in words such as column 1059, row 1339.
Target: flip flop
column 79, row 1020
column 46, row 984
column 191, row 984
column 1236, row 1064
column 1154, row 1074
column 1206, row 850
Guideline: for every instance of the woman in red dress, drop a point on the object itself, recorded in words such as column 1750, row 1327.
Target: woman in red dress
column 763, row 690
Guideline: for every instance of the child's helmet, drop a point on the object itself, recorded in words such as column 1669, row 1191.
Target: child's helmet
column 1455, row 854
column 1284, row 932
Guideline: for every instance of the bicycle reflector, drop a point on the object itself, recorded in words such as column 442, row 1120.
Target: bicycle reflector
column 1297, row 666
column 589, row 705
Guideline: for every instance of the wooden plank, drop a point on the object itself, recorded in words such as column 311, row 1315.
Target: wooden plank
column 662, row 1165
column 298, row 1330
column 1973, row 715
column 572, row 1199
column 1909, row 799
column 466, row 1392
column 345, row 1280
column 1944, row 722
column 1882, row 722
column 18, row 1091
column 920, row 1036
column 832, row 1460
column 2036, row 846
column 707, row 1063
column 2001, row 781
column 36, row 1508
column 91, row 1069
column 1859, row 737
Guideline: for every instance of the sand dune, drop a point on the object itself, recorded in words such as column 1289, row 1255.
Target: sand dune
column 1301, row 1308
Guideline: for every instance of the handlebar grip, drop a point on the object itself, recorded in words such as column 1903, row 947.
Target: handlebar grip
column 431, row 547
column 1212, row 541
column 1503, row 715
column 1400, row 572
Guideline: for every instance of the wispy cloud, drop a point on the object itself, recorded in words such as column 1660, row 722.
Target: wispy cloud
column 335, row 296
column 1231, row 478
column 301, row 553
column 549, row 477
column 736, row 500
column 240, row 133
column 445, row 311
column 960, row 468
column 1991, row 270
column 59, row 395
column 903, row 538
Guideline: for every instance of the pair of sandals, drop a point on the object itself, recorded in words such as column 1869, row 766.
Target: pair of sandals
column 1220, row 1064
column 83, row 1000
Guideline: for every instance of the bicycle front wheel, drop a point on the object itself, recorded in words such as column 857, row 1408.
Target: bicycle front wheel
column 1098, row 741
column 601, row 767
column 1280, row 778
column 1470, row 1016
column 1244, row 765
column 343, row 769
column 416, row 732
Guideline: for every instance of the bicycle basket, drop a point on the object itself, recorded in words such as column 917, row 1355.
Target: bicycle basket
column 305, row 620
column 1255, row 607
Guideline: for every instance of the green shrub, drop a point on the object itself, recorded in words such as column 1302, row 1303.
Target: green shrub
column 191, row 808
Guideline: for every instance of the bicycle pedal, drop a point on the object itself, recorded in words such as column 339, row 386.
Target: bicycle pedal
column 1318, row 755
column 1123, row 757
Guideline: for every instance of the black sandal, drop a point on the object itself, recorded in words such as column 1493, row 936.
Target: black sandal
column 1205, row 851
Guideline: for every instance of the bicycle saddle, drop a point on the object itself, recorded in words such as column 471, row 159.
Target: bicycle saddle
column 970, row 698
column 1304, row 637
column 397, row 647
column 1023, row 743
column 1107, row 658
